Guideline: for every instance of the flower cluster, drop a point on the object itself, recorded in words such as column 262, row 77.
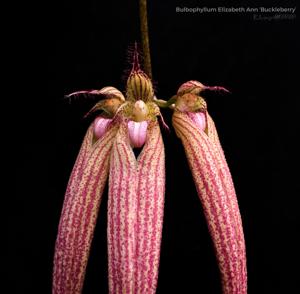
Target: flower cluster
column 137, row 186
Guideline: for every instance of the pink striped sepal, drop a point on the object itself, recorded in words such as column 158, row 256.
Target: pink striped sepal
column 217, row 194
column 135, row 213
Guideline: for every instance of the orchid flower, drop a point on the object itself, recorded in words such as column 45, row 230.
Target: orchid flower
column 196, row 129
column 135, row 197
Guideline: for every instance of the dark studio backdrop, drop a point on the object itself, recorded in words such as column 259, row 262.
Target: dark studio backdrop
column 84, row 45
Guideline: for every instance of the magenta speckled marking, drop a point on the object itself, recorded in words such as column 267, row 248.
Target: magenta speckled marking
column 127, row 224
column 226, row 176
column 145, row 157
column 238, row 258
column 145, row 231
column 77, row 220
column 124, row 223
column 234, row 279
column 71, row 253
column 213, row 216
column 157, row 211
column 58, row 274
column 81, row 240
column 131, row 230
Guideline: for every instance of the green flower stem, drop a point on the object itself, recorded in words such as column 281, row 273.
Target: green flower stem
column 166, row 104
column 145, row 37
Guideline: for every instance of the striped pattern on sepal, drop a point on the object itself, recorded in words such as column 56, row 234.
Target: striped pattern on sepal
column 230, row 190
column 150, row 208
column 135, row 213
column 79, row 213
column 216, row 192
column 121, row 236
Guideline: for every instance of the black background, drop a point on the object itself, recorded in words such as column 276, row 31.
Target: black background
column 70, row 46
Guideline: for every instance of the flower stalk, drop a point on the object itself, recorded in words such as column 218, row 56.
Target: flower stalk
column 145, row 37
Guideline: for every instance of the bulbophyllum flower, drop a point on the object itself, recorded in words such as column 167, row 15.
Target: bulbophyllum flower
column 135, row 197
column 197, row 131
column 137, row 185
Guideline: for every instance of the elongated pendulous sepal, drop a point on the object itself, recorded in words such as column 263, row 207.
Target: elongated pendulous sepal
column 217, row 194
column 79, row 213
column 135, row 213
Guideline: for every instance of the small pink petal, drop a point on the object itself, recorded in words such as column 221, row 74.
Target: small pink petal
column 100, row 125
column 199, row 119
column 137, row 133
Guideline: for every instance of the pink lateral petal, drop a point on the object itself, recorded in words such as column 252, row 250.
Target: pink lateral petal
column 199, row 119
column 100, row 126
